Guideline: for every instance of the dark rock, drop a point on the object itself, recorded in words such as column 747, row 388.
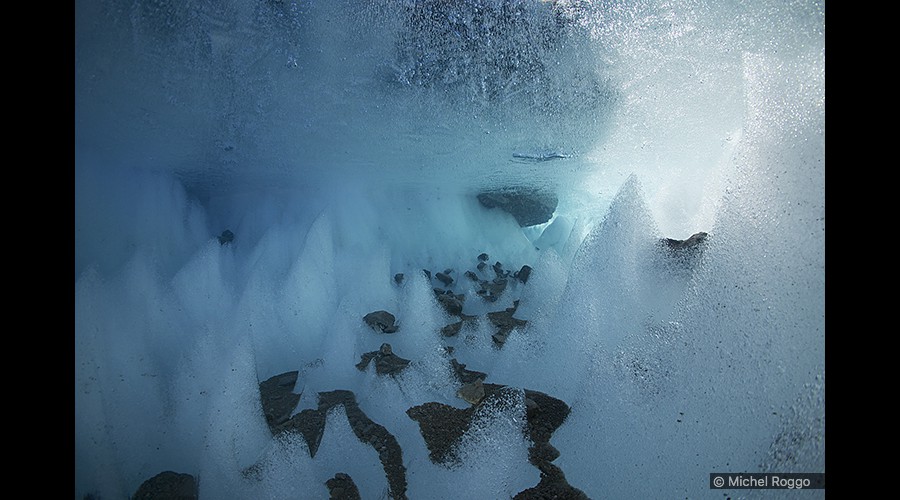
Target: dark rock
column 444, row 278
column 542, row 452
column 342, row 487
column 683, row 253
column 381, row 321
column 310, row 424
column 398, row 278
column 226, row 237
column 529, row 206
column 168, row 485
column 386, row 362
column 524, row 274
column 452, row 329
column 441, row 426
column 549, row 414
column 278, row 399
column 483, row 257
column 491, row 290
column 695, row 241
column 505, row 323
column 453, row 304
column 481, row 266
column 498, row 269
column 473, row 392
column 466, row 376
column 472, row 276
column 553, row 485
column 545, row 414
column 427, row 273
column 448, row 270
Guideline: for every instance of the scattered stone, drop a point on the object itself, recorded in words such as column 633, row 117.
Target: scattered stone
column 529, row 206
column 483, row 257
column 491, row 290
column 505, row 323
column 226, row 237
column 498, row 269
column 542, row 452
column 453, row 304
column 381, row 321
column 466, row 376
column 278, row 399
column 523, row 274
column 441, row 426
column 481, row 266
column 554, row 485
column 452, row 329
column 472, row 276
column 168, row 485
column 691, row 243
column 386, row 362
column 545, row 417
column 398, row 278
column 310, row 424
column 444, row 278
column 342, row 487
column 684, row 253
column 544, row 414
column 472, row 392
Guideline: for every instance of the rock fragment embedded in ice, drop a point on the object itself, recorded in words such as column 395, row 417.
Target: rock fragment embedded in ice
column 381, row 321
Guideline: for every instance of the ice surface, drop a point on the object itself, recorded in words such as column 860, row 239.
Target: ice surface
column 315, row 133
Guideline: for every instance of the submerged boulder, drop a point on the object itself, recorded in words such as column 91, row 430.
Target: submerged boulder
column 386, row 362
column 168, row 485
column 342, row 487
column 444, row 278
column 466, row 376
column 491, row 290
column 310, row 424
column 685, row 252
column 693, row 243
column 443, row 425
column 505, row 323
column 523, row 274
column 554, row 485
column 226, row 237
column 472, row 392
column 278, row 399
column 529, row 206
column 381, row 321
column 451, row 303
column 452, row 329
